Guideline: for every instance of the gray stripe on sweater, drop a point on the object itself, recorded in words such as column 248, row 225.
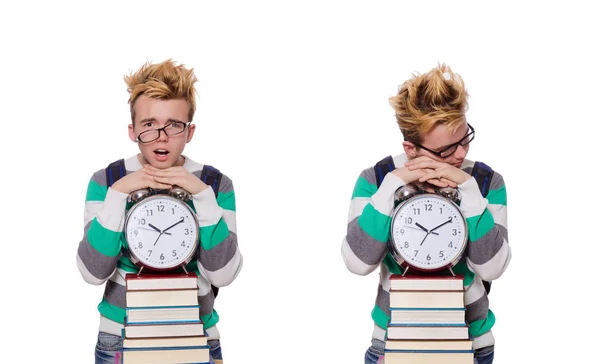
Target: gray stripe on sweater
column 367, row 249
column 114, row 294
column 485, row 248
column 477, row 310
column 98, row 264
column 218, row 257
column 206, row 303
column 383, row 300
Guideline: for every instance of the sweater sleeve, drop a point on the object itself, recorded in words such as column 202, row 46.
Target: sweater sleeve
column 369, row 220
column 488, row 252
column 219, row 258
column 99, row 249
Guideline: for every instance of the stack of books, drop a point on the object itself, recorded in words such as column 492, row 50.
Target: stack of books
column 427, row 323
column 162, row 322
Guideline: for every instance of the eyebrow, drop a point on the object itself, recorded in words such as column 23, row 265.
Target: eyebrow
column 154, row 119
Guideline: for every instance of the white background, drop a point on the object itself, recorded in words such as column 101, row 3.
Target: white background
column 293, row 104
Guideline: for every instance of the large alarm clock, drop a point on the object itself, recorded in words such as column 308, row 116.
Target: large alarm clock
column 428, row 232
column 161, row 230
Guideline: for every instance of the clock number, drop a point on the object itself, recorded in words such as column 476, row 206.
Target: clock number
column 174, row 253
column 149, row 212
column 162, row 257
column 149, row 252
column 135, row 232
column 450, row 245
column 441, row 212
column 416, row 252
column 406, row 244
column 140, row 245
column 441, row 253
column 454, row 232
column 428, row 257
column 173, row 210
column 416, row 211
column 160, row 208
column 183, row 243
column 187, row 232
column 142, row 221
column 408, row 220
column 428, row 207
column 401, row 231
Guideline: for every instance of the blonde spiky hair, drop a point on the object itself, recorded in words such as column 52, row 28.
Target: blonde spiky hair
column 163, row 81
column 424, row 101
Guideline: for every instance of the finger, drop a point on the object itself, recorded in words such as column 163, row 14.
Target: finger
column 437, row 182
column 424, row 164
column 170, row 180
column 449, row 182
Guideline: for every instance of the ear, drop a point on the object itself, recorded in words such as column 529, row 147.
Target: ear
column 191, row 130
column 410, row 149
column 131, row 133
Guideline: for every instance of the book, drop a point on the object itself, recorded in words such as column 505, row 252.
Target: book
column 426, row 283
column 163, row 314
column 134, row 282
column 428, row 315
column 426, row 299
column 153, row 298
column 429, row 357
column 157, row 342
column 428, row 332
column 163, row 330
column 429, row 344
column 167, row 355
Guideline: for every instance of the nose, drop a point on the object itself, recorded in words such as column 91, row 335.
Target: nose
column 162, row 135
column 460, row 152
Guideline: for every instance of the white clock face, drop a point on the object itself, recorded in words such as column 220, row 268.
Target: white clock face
column 429, row 232
column 162, row 232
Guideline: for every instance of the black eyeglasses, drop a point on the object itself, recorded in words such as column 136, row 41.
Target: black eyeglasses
column 173, row 128
column 449, row 150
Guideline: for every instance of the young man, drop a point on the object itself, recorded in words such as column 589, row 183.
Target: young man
column 162, row 104
column 430, row 110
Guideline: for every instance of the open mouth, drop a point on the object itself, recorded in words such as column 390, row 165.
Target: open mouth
column 161, row 152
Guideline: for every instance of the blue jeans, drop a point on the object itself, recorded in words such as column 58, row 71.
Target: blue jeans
column 109, row 349
column 483, row 356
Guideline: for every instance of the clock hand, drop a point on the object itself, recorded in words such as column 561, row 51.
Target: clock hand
column 156, row 241
column 177, row 223
column 412, row 227
column 439, row 226
column 155, row 228
column 426, row 235
column 143, row 228
column 421, row 226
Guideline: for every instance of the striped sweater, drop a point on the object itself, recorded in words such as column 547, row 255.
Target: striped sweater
column 487, row 254
column 100, row 259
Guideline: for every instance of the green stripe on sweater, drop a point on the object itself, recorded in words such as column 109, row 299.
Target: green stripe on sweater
column 95, row 192
column 497, row 197
column 363, row 188
column 381, row 318
column 480, row 327
column 104, row 240
column 375, row 224
column 213, row 235
column 480, row 225
column 226, row 200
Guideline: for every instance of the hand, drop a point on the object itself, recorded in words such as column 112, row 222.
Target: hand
column 414, row 175
column 136, row 181
column 143, row 228
column 178, row 176
column 422, row 241
column 440, row 225
column 422, row 228
column 439, row 171
column 175, row 224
